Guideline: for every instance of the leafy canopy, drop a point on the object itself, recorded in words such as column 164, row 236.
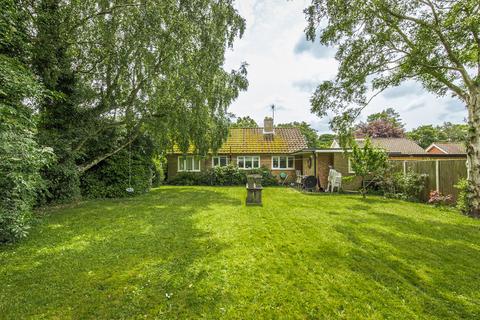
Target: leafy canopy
column 21, row 158
column 244, row 122
column 382, row 43
column 427, row 134
column 389, row 115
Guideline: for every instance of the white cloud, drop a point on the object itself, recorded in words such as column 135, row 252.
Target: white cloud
column 284, row 69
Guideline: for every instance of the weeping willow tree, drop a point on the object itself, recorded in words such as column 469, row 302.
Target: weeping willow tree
column 136, row 67
column 382, row 43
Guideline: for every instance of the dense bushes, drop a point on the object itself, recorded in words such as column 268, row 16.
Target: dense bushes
column 110, row 178
column 462, row 198
column 222, row 176
column 21, row 157
column 20, row 162
column 403, row 186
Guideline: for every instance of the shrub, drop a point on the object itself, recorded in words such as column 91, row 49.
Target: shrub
column 438, row 199
column 21, row 160
column 223, row 176
column 462, row 199
column 403, row 186
column 110, row 178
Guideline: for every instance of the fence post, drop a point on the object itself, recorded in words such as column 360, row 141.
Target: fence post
column 404, row 167
column 437, row 176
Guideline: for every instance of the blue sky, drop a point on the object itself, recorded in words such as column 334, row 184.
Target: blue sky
column 284, row 69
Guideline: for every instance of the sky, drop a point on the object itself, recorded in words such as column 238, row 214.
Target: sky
column 284, row 69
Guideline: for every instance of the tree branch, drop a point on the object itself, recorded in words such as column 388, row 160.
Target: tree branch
column 85, row 167
column 448, row 48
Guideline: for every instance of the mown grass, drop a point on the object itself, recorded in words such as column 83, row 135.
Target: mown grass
column 199, row 252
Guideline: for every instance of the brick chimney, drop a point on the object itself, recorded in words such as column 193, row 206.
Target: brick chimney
column 268, row 125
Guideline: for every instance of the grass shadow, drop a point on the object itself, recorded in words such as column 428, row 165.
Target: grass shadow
column 126, row 256
column 427, row 257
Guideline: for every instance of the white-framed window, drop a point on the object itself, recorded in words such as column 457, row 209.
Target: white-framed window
column 188, row 164
column 283, row 162
column 220, row 161
column 350, row 170
column 248, row 162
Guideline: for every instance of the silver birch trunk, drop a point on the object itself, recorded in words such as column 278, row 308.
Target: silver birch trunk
column 473, row 152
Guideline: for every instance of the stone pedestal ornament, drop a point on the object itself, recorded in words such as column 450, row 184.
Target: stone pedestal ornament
column 254, row 190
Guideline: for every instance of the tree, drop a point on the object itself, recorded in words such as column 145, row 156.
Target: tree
column 308, row 132
column 455, row 132
column 384, row 124
column 119, row 70
column 379, row 128
column 389, row 115
column 21, row 157
column 325, row 140
column 426, row 135
column 367, row 161
column 383, row 43
column 244, row 122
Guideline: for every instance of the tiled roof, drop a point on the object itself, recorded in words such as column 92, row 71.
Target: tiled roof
column 451, row 147
column 396, row 145
column 254, row 141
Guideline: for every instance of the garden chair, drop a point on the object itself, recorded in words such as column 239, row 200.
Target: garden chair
column 334, row 180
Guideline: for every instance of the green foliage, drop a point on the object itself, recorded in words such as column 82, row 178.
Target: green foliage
column 121, row 70
column 389, row 115
column 244, row 122
column 21, row 160
column 367, row 161
column 325, row 140
column 223, row 176
column 462, row 199
column 159, row 164
column 425, row 135
column 407, row 186
column 111, row 178
column 384, row 43
column 308, row 132
column 21, row 157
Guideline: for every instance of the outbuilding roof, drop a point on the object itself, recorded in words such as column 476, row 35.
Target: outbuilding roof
column 392, row 145
column 397, row 145
column 449, row 147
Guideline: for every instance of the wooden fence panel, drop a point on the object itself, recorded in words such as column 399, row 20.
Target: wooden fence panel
column 449, row 172
column 427, row 168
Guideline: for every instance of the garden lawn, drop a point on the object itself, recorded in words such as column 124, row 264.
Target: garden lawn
column 199, row 252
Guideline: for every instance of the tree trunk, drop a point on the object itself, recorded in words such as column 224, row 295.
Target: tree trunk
column 473, row 152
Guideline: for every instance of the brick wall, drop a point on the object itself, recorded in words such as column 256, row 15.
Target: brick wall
column 324, row 160
column 340, row 163
column 206, row 163
column 435, row 150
